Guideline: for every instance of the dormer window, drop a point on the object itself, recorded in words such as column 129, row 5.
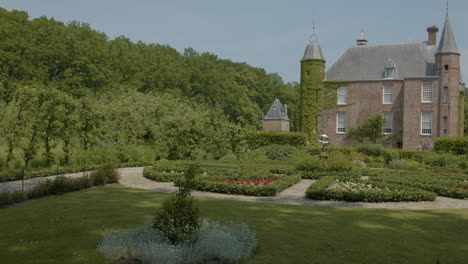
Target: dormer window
column 390, row 70
column 389, row 73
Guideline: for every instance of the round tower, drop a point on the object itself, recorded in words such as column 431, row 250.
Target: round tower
column 448, row 68
column 311, row 89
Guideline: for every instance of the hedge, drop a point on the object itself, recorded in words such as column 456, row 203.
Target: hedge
column 370, row 192
column 228, row 178
column 272, row 189
column 16, row 174
column 449, row 185
column 256, row 139
column 456, row 145
column 60, row 185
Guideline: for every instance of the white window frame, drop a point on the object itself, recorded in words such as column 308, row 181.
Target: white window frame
column 426, row 123
column 427, row 94
column 388, row 125
column 340, row 124
column 342, row 95
column 387, row 90
column 389, row 73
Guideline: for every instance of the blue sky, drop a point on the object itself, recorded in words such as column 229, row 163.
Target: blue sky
column 271, row 34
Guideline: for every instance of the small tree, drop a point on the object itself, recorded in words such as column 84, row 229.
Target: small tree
column 370, row 131
column 179, row 215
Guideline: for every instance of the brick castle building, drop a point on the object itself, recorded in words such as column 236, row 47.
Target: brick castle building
column 417, row 87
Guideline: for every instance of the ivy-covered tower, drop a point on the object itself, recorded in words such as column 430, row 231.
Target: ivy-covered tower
column 311, row 93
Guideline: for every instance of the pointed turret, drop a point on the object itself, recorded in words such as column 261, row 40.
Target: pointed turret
column 447, row 42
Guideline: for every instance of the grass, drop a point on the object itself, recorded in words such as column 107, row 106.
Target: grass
column 67, row 229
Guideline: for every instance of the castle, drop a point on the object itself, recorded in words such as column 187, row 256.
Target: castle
column 417, row 87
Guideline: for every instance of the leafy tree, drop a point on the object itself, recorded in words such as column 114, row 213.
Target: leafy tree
column 369, row 131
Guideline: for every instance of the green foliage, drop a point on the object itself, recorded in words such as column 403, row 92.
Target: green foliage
column 369, row 131
column 374, row 150
column 311, row 97
column 85, row 63
column 178, row 218
column 247, row 179
column 356, row 190
column 314, row 167
column 279, row 152
column 105, row 174
column 456, row 145
column 256, row 139
column 214, row 241
column 441, row 160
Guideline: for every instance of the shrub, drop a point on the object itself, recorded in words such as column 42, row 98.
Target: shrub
column 441, row 160
column 315, row 168
column 278, row 152
column 401, row 164
column 375, row 150
column 105, row 174
column 213, row 242
column 389, row 155
column 456, row 145
column 178, row 218
column 256, row 139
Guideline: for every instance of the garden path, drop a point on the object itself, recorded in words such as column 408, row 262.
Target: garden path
column 133, row 177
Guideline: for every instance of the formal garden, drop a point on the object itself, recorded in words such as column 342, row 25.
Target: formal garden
column 365, row 173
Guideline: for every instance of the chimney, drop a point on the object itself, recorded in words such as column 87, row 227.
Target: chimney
column 432, row 35
column 285, row 110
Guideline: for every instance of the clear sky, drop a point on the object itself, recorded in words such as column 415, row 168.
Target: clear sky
column 271, row 34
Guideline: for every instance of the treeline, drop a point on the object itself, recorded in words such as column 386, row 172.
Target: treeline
column 47, row 126
column 81, row 62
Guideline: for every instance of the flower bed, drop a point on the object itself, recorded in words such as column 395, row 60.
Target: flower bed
column 228, row 178
column 356, row 190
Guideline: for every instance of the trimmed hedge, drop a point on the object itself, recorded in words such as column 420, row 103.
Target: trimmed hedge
column 60, row 185
column 365, row 191
column 315, row 168
column 448, row 185
column 225, row 178
column 256, row 139
column 230, row 188
column 456, row 145
column 14, row 175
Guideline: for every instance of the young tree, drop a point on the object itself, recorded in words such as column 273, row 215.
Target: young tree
column 369, row 131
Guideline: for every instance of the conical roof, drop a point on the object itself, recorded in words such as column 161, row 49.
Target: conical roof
column 447, row 42
column 276, row 112
column 313, row 52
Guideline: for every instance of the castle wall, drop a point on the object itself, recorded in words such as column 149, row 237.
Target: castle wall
column 276, row 125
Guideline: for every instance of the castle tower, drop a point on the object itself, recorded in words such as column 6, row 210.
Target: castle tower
column 311, row 89
column 448, row 68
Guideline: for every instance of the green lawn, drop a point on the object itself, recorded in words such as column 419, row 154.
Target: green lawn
column 67, row 228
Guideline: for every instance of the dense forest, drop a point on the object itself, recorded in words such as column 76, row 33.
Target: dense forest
column 65, row 88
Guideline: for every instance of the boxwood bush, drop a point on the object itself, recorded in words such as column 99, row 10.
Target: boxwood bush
column 315, row 168
column 457, row 145
column 256, row 139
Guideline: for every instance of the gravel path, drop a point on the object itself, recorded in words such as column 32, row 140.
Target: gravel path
column 133, row 177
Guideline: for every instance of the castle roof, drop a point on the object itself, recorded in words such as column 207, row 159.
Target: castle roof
column 447, row 42
column 364, row 63
column 276, row 112
column 313, row 52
